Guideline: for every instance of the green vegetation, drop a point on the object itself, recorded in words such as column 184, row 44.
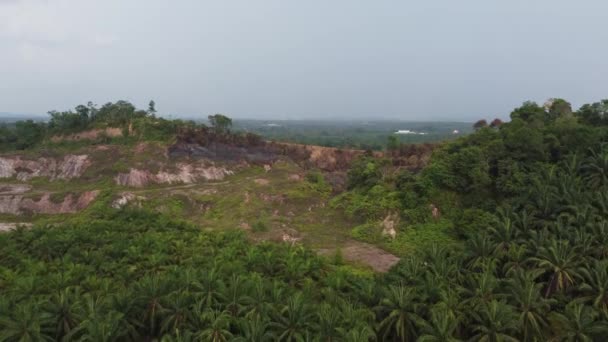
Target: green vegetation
column 134, row 124
column 503, row 237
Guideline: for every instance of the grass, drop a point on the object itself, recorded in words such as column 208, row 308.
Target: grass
column 279, row 204
column 422, row 236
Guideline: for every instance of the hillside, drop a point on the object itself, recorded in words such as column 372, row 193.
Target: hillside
column 123, row 226
column 273, row 191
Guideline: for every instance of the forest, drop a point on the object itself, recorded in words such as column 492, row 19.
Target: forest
column 517, row 213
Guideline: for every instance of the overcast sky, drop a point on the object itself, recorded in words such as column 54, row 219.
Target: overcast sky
column 415, row 60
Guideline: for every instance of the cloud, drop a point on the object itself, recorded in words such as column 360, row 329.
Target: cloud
column 48, row 28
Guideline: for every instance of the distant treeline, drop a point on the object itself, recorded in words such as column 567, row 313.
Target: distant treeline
column 134, row 123
column 364, row 135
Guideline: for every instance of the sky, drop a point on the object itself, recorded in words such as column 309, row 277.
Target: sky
column 287, row 59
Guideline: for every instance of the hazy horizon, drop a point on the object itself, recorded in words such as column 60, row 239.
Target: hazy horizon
column 339, row 60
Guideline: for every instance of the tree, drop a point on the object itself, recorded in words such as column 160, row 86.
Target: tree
column 24, row 324
column 220, row 123
column 530, row 112
column 595, row 114
column 217, row 326
column 595, row 168
column 441, row 328
column 254, row 329
column 578, row 323
column 496, row 123
column 496, row 321
column 480, row 124
column 531, row 307
column 294, row 320
column 152, row 108
column 392, row 143
column 66, row 308
column 398, row 309
column 561, row 261
column 595, row 284
column 28, row 133
column 558, row 108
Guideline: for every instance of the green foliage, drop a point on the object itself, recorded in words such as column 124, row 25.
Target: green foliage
column 133, row 275
column 135, row 125
column 368, row 232
column 373, row 204
column 504, row 238
column 220, row 123
column 259, row 226
column 474, row 221
column 594, row 114
column 365, row 172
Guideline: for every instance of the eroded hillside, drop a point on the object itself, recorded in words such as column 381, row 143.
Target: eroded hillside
column 273, row 191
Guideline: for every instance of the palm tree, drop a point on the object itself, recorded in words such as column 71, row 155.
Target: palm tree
column 595, row 168
column 256, row 302
column 329, row 323
column 234, row 295
column 176, row 311
column 209, row 289
column 99, row 323
column 217, row 324
column 442, row 327
column 495, row 321
column 353, row 315
column 578, row 323
column 399, row 311
column 517, row 259
column 254, row 329
column 150, row 291
column 531, row 307
column 595, row 284
column 482, row 287
column 480, row 249
column 505, row 233
column 600, row 233
column 186, row 336
column 362, row 333
column 560, row 261
column 24, row 324
column 66, row 308
column 294, row 320
column 451, row 300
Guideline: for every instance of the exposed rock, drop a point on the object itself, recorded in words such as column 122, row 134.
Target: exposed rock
column 185, row 173
column 5, row 227
column 124, row 199
column 389, row 225
column 19, row 205
column 435, row 211
column 14, row 189
column 290, row 237
column 267, row 167
column 135, row 178
column 71, row 166
column 245, row 226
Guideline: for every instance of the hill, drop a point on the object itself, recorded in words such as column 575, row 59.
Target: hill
column 140, row 228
